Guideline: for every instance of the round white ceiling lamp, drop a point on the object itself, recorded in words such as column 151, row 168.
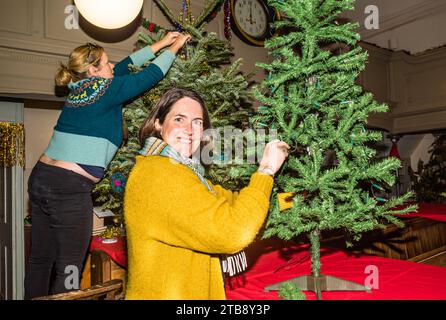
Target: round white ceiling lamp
column 109, row 14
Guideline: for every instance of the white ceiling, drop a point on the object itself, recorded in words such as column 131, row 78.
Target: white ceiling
column 410, row 25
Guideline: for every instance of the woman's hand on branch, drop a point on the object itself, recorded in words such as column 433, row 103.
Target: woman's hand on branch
column 179, row 42
column 166, row 41
column 274, row 155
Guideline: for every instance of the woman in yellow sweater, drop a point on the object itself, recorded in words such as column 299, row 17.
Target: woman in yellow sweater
column 177, row 222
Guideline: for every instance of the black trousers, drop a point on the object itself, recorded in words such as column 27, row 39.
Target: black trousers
column 61, row 212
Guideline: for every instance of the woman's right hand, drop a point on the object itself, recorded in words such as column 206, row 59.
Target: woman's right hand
column 170, row 38
column 167, row 40
column 274, row 155
column 179, row 42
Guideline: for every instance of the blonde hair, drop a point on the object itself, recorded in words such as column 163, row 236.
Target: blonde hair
column 80, row 59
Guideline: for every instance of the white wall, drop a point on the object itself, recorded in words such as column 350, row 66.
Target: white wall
column 409, row 25
column 424, row 30
column 421, row 152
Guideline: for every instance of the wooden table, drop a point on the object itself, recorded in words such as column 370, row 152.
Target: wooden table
column 100, row 268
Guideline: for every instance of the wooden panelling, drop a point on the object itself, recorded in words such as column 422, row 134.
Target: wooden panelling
column 419, row 238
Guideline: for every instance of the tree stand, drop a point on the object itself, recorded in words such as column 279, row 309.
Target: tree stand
column 318, row 282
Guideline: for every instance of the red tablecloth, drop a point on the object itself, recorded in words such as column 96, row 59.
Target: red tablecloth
column 117, row 251
column 397, row 279
column 433, row 211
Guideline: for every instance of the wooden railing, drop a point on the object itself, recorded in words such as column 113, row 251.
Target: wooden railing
column 110, row 290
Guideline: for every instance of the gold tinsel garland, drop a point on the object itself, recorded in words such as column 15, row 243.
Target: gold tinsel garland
column 12, row 144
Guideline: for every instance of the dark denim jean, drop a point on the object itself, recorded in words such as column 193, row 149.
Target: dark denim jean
column 61, row 212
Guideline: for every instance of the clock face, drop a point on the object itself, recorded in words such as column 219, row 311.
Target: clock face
column 252, row 17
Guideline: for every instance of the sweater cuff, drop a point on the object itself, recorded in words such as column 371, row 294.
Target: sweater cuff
column 164, row 61
column 262, row 182
column 142, row 56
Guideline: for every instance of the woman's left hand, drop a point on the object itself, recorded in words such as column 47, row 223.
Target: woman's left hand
column 169, row 38
column 179, row 42
column 166, row 41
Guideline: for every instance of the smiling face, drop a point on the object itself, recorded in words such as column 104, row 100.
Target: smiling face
column 182, row 128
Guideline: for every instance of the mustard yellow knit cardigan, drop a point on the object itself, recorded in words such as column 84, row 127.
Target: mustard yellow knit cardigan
column 176, row 229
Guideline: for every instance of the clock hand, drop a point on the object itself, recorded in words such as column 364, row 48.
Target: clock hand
column 250, row 13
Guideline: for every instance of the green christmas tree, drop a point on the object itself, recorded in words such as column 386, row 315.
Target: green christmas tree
column 429, row 181
column 203, row 65
column 311, row 98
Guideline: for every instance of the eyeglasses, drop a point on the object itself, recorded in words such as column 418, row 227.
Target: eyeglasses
column 91, row 46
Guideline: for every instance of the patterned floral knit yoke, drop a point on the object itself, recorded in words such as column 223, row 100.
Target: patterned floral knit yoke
column 89, row 129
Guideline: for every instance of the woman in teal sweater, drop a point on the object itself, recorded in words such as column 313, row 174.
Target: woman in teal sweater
column 85, row 139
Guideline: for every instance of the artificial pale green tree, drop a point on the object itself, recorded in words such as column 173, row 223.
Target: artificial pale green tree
column 310, row 97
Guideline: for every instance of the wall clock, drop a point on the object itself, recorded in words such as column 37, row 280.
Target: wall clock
column 251, row 19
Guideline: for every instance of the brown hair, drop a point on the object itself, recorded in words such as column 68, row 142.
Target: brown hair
column 163, row 107
column 80, row 59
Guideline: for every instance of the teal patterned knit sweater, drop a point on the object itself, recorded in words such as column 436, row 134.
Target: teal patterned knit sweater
column 89, row 129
